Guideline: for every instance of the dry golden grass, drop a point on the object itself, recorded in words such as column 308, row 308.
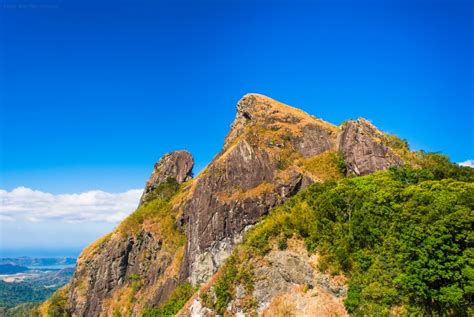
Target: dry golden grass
column 238, row 194
column 322, row 167
column 280, row 306
column 121, row 302
column 156, row 217
column 281, row 111
column 172, row 271
column 43, row 309
column 272, row 121
column 91, row 249
column 184, row 193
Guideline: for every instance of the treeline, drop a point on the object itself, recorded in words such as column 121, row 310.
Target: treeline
column 403, row 237
column 12, row 294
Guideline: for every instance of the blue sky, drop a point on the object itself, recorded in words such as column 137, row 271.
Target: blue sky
column 92, row 93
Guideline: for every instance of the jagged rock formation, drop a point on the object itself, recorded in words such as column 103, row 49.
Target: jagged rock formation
column 363, row 150
column 254, row 172
column 184, row 229
column 287, row 283
column 177, row 165
column 125, row 259
column 116, row 261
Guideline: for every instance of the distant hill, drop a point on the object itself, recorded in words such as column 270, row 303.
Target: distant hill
column 31, row 285
column 37, row 261
column 12, row 269
column 12, row 294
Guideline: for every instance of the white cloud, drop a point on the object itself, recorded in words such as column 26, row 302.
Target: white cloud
column 26, row 204
column 469, row 163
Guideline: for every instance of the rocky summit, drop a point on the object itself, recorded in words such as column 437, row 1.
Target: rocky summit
column 185, row 228
column 175, row 166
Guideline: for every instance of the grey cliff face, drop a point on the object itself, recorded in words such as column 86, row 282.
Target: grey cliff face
column 212, row 224
column 177, row 165
column 215, row 222
column 360, row 144
column 115, row 262
column 314, row 140
column 121, row 258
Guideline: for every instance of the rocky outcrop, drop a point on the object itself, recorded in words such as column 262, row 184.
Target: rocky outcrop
column 190, row 228
column 285, row 283
column 254, row 173
column 115, row 262
column 133, row 258
column 176, row 165
column 363, row 149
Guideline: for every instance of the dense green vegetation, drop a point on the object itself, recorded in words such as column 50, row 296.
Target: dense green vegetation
column 34, row 289
column 12, row 294
column 166, row 189
column 22, row 310
column 177, row 299
column 57, row 304
column 403, row 237
column 237, row 269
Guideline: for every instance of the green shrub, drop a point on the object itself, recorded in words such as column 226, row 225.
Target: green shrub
column 136, row 282
column 225, row 285
column 175, row 302
column 237, row 270
column 166, row 190
column 160, row 211
column 282, row 163
column 283, row 243
column 57, row 307
column 341, row 164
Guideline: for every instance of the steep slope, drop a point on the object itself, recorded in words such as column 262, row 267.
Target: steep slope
column 255, row 171
column 133, row 266
column 364, row 148
column 185, row 228
column 395, row 243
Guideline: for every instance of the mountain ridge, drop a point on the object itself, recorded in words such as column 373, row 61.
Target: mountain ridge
column 185, row 228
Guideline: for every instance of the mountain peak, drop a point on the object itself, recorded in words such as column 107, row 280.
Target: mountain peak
column 264, row 115
column 185, row 232
column 174, row 166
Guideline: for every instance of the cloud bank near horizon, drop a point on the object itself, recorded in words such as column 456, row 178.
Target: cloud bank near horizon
column 469, row 163
column 26, row 204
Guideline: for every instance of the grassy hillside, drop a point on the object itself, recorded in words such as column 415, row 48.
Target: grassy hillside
column 402, row 237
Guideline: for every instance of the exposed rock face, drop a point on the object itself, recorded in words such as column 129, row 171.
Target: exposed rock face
column 287, row 282
column 260, row 166
column 246, row 180
column 285, row 269
column 122, row 258
column 177, row 165
column 286, row 274
column 110, row 266
column 363, row 150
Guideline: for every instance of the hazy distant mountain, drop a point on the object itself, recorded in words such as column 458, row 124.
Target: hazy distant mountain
column 12, row 269
column 21, row 285
column 38, row 261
